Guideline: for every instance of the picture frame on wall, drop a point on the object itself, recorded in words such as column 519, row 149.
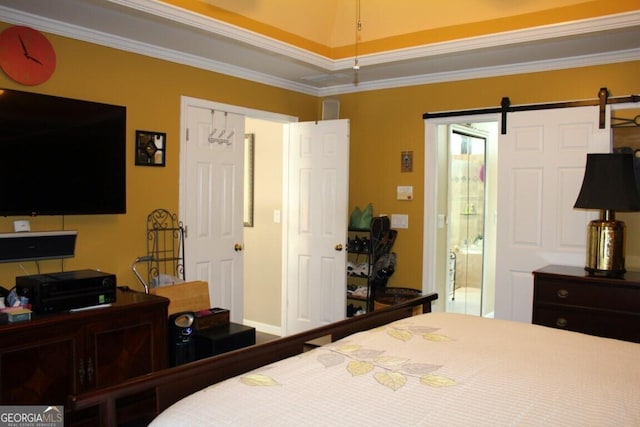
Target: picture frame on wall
column 150, row 148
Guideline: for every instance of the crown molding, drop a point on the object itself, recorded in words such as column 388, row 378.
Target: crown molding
column 190, row 19
column 221, row 28
column 545, row 32
column 486, row 72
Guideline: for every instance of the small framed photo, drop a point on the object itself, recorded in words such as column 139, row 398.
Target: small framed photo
column 150, row 148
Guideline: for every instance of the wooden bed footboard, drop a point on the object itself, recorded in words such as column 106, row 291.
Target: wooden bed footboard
column 171, row 385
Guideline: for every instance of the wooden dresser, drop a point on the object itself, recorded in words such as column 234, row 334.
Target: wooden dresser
column 52, row 356
column 569, row 298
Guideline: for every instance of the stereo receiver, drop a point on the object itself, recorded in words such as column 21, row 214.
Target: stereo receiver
column 67, row 290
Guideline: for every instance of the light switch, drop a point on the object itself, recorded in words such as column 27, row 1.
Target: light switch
column 276, row 216
column 399, row 221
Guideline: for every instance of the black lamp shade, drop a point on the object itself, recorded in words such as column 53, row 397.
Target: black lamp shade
column 609, row 183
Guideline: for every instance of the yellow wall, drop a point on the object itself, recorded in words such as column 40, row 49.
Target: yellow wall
column 383, row 123
column 386, row 122
column 151, row 91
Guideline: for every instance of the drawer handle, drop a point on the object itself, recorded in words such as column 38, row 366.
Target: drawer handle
column 561, row 322
column 81, row 372
column 563, row 293
column 89, row 370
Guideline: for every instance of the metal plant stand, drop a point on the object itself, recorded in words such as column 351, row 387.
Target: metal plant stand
column 165, row 248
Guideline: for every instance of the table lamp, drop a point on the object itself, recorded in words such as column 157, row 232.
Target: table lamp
column 609, row 185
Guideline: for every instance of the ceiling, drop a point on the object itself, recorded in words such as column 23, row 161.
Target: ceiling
column 164, row 31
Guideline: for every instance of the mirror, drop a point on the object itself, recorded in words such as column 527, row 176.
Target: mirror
column 249, row 144
column 150, row 148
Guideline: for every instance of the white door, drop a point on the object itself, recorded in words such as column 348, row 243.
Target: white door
column 541, row 164
column 316, row 223
column 212, row 159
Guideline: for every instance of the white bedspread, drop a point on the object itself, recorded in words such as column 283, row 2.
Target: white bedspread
column 437, row 369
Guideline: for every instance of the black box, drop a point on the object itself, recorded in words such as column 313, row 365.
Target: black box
column 222, row 339
column 67, row 290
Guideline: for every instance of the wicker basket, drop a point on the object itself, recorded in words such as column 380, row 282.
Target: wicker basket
column 393, row 296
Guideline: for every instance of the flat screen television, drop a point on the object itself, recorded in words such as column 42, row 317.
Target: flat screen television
column 61, row 156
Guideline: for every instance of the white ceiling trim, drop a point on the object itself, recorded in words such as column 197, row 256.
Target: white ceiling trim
column 476, row 73
column 545, row 32
column 206, row 24
column 153, row 51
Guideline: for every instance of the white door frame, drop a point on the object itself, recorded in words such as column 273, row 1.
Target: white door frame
column 186, row 102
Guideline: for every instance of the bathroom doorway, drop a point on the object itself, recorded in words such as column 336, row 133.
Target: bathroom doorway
column 466, row 218
column 466, row 205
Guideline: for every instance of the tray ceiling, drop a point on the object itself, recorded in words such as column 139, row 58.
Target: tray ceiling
column 164, row 31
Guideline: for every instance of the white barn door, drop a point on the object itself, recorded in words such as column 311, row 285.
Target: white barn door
column 541, row 164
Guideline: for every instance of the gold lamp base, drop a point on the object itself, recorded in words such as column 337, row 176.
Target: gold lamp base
column 605, row 247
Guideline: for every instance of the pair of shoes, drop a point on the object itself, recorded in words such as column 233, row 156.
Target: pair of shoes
column 359, row 245
column 353, row 245
column 360, row 291
column 361, row 269
column 350, row 310
column 350, row 267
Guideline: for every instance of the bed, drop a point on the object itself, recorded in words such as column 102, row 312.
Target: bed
column 142, row 398
column 434, row 369
column 431, row 369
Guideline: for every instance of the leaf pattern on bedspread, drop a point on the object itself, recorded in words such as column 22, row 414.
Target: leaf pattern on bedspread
column 420, row 330
column 400, row 334
column 419, row 368
column 388, row 370
column 258, row 380
column 436, row 337
column 436, row 381
column 391, row 362
column 404, row 332
column 392, row 380
column 358, row 367
column 331, row 359
column 368, row 353
column 349, row 348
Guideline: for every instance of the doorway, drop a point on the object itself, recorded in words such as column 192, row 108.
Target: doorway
column 463, row 268
column 541, row 165
column 195, row 272
column 315, row 195
column 466, row 218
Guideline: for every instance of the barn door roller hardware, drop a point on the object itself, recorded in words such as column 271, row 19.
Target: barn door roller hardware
column 505, row 107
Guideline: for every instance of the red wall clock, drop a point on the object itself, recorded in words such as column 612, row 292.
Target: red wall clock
column 26, row 55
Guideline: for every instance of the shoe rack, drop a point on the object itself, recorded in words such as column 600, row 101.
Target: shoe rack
column 369, row 263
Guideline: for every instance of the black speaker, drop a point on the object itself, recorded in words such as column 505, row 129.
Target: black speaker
column 181, row 343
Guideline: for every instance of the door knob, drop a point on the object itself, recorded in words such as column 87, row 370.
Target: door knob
column 338, row 247
column 237, row 247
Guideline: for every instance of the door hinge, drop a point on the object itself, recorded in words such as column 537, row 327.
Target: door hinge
column 187, row 134
column 185, row 231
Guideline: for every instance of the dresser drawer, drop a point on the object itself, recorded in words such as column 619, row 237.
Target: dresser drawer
column 577, row 293
column 624, row 326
